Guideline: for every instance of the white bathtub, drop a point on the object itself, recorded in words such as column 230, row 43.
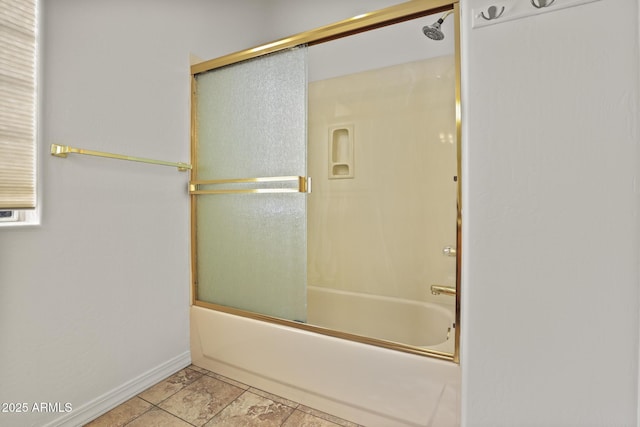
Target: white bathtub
column 418, row 324
column 369, row 385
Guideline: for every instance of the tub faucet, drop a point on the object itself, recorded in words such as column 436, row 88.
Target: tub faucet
column 446, row 290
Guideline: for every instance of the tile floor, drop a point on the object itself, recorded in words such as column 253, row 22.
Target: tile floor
column 197, row 397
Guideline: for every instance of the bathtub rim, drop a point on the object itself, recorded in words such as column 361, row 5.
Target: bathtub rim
column 432, row 306
column 379, row 297
column 405, row 348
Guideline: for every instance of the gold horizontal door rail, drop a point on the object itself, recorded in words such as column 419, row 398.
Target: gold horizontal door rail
column 64, row 150
column 303, row 185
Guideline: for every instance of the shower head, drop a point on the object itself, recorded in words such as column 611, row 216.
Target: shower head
column 433, row 31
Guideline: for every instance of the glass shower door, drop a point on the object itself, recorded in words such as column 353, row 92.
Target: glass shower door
column 249, row 185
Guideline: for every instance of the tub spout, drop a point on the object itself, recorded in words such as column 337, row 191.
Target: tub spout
column 446, row 290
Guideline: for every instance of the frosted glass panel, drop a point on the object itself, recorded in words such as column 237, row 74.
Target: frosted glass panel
column 252, row 118
column 251, row 248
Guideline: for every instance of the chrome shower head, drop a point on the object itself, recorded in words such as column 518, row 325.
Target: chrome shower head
column 433, row 31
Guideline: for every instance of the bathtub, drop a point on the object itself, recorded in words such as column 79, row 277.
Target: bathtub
column 418, row 324
column 369, row 385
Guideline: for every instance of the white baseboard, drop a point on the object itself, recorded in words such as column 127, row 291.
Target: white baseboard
column 126, row 391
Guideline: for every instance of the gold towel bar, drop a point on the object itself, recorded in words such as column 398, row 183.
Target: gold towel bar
column 304, row 185
column 63, row 150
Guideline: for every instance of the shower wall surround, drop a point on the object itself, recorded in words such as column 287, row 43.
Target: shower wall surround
column 382, row 232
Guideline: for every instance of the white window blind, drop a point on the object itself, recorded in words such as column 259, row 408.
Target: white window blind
column 17, row 103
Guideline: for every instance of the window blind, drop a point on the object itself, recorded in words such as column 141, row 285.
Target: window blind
column 17, row 103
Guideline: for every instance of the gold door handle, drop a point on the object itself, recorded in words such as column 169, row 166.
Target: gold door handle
column 303, row 185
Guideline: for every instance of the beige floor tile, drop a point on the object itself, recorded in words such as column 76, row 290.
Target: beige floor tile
column 197, row 397
column 158, row 418
column 252, row 410
column 228, row 380
column 301, row 419
column 199, row 369
column 122, row 414
column 328, row 417
column 170, row 386
column 273, row 397
column 201, row 400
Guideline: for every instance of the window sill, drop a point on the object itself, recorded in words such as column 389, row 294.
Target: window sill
column 20, row 218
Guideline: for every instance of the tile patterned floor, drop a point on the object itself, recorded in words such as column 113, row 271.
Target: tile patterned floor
column 197, row 397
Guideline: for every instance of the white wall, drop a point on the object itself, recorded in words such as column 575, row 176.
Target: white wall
column 94, row 302
column 551, row 243
column 295, row 16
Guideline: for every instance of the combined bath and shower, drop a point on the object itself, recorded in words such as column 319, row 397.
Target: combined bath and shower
column 433, row 31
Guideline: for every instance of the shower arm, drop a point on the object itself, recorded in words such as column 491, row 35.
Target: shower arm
column 441, row 20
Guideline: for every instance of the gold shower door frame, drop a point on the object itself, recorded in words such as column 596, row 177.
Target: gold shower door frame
column 358, row 24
